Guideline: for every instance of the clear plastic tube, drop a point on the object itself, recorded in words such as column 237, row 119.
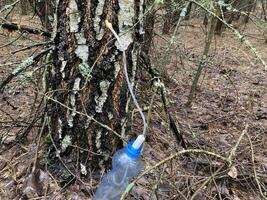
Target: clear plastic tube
column 109, row 25
column 126, row 163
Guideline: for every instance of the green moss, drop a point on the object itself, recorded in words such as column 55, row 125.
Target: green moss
column 74, row 16
column 23, row 66
column 125, row 17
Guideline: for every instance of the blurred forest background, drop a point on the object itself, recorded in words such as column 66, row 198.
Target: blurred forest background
column 201, row 81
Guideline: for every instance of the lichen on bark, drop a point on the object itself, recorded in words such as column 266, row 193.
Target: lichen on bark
column 97, row 20
column 125, row 18
column 74, row 16
column 100, row 100
column 26, row 63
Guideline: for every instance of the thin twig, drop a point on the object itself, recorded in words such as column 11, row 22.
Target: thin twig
column 9, row 6
column 83, row 114
column 31, row 46
column 237, row 33
column 37, row 148
column 22, row 67
column 254, row 168
column 205, row 183
column 59, row 157
column 129, row 84
column 188, row 151
column 11, row 42
column 233, row 151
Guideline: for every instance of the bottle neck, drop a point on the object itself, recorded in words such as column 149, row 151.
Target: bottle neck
column 132, row 152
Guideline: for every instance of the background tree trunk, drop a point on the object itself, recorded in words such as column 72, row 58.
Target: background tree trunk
column 263, row 6
column 248, row 8
column 87, row 76
column 188, row 11
column 202, row 61
column 45, row 11
column 149, row 23
column 172, row 14
column 24, row 7
column 245, row 6
column 219, row 24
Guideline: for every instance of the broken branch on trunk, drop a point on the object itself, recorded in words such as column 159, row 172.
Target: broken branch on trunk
column 157, row 82
column 22, row 67
column 15, row 27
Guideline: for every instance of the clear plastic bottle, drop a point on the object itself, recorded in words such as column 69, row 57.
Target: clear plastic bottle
column 126, row 164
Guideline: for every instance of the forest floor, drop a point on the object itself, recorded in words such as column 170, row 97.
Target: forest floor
column 231, row 100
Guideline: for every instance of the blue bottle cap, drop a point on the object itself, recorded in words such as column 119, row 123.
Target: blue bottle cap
column 132, row 152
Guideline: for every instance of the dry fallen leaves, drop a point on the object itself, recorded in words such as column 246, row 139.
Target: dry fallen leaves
column 233, row 172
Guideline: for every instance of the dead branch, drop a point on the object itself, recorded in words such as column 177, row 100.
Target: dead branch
column 161, row 88
column 31, row 46
column 183, row 152
column 23, row 66
column 15, row 27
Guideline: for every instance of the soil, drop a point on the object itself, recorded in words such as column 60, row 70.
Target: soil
column 232, row 94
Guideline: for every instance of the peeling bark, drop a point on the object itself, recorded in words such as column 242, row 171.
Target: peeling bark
column 87, row 76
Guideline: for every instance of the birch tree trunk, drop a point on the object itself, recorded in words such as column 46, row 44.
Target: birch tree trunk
column 87, row 76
